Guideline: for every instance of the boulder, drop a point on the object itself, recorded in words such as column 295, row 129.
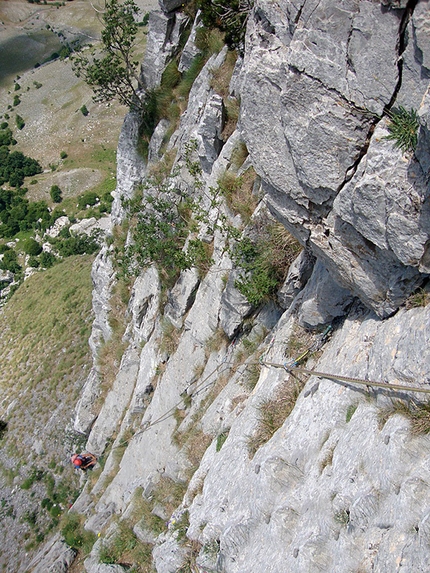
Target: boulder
column 170, row 5
column 234, row 307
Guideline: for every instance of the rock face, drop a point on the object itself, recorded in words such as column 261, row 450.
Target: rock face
column 340, row 481
column 328, row 72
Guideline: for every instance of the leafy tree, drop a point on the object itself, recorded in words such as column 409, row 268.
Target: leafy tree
column 115, row 74
column 56, row 194
column 47, row 260
column 32, row 247
column 6, row 136
column 87, row 198
column 10, row 262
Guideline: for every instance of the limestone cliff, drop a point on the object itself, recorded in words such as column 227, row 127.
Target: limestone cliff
column 341, row 482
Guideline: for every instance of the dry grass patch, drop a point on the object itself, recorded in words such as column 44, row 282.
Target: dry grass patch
column 111, row 352
column 221, row 77
column 272, row 414
column 238, row 192
column 170, row 337
column 418, row 414
column 419, row 298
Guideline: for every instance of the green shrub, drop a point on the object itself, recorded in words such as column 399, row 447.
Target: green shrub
column 84, row 110
column 20, row 123
column 221, row 438
column 34, row 262
column 403, row 128
column 55, row 193
column 350, row 412
column 17, row 86
column 16, row 100
column 88, row 198
column 75, row 535
column 4, row 125
column 63, row 155
column 229, row 16
column 47, row 260
column 32, row 247
column 264, row 262
column 79, row 245
column 10, row 262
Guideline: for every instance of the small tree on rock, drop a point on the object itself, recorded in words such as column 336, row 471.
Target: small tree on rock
column 114, row 75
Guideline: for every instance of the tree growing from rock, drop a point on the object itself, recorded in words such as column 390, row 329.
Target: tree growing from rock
column 114, row 75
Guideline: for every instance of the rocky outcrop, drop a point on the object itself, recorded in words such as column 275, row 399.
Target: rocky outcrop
column 341, row 483
column 329, row 73
column 130, row 164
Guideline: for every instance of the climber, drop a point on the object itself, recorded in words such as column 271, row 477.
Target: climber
column 84, row 461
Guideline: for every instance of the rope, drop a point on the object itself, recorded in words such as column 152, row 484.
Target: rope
column 291, row 367
column 337, row 377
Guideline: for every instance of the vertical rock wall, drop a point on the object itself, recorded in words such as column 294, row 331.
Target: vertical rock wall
column 338, row 487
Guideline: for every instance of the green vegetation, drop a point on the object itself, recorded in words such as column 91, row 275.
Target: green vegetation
column 403, row 128
column 75, row 535
column 124, row 547
column 419, row 298
column 84, row 110
column 32, row 247
column 229, row 16
column 169, row 100
column 264, row 261
column 165, row 227
column 56, row 194
column 221, row 438
column 115, row 75
column 237, row 191
column 20, row 123
column 350, row 412
column 15, row 166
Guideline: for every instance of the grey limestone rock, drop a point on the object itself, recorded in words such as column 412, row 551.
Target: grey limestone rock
column 116, row 401
column 163, row 37
column 54, row 557
column 328, row 73
column 190, row 50
column 130, row 165
column 298, row 275
column 157, row 141
column 234, row 307
column 143, row 306
column 388, row 201
column 170, row 5
column 415, row 59
column 181, row 296
column 169, row 556
column 322, row 299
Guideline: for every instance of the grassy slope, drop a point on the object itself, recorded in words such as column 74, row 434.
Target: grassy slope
column 45, row 358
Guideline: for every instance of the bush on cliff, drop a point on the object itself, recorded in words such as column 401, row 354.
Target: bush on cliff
column 403, row 128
